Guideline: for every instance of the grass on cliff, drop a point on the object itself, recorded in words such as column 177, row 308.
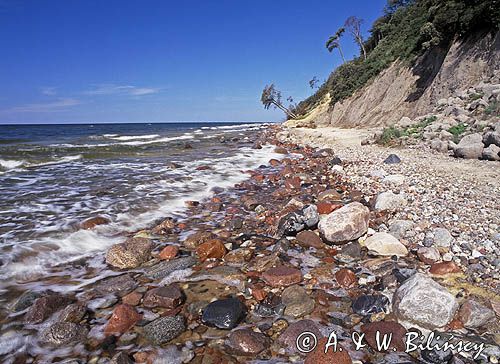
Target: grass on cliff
column 406, row 30
column 391, row 134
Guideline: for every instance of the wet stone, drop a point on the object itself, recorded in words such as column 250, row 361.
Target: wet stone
column 385, row 328
column 73, row 313
column 247, row 342
column 130, row 254
column 164, row 329
column 168, row 297
column 165, row 268
column 282, row 276
column 346, row 278
column 63, row 333
column 297, row 301
column 198, row 238
column 121, row 358
column 169, row 252
column 308, row 238
column 224, row 314
column 370, row 304
column 120, row 285
column 123, row 318
column 93, row 222
column 294, row 222
column 288, row 338
column 270, row 306
column 345, row 224
column 44, row 307
column 213, row 248
column 25, row 300
column 425, row 302
column 474, row 315
column 318, row 355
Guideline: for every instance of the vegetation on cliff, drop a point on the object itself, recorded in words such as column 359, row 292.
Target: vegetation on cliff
column 407, row 30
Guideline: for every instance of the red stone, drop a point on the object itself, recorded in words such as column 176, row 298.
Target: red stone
column 325, row 208
column 259, row 294
column 318, row 355
column 308, row 238
column 274, row 162
column 280, row 150
column 191, row 203
column 282, row 276
column 385, row 328
column 293, row 183
column 211, row 249
column 169, row 252
column 93, row 222
column 444, row 268
column 346, row 278
column 123, row 318
column 132, row 299
column 168, row 297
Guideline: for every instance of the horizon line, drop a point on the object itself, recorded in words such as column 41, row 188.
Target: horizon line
column 138, row 122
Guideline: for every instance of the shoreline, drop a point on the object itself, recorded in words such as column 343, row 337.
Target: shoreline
column 235, row 251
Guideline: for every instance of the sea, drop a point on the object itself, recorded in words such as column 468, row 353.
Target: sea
column 53, row 177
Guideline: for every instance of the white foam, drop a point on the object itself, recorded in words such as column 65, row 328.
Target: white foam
column 10, row 164
column 134, row 137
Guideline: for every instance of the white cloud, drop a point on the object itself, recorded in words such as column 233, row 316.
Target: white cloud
column 112, row 89
column 54, row 106
column 48, row 91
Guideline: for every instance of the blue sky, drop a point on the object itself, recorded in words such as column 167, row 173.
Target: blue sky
column 77, row 61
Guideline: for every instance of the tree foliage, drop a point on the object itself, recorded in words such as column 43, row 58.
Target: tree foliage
column 272, row 97
column 334, row 42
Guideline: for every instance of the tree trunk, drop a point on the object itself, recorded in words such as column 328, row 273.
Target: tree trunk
column 341, row 54
column 363, row 48
column 285, row 110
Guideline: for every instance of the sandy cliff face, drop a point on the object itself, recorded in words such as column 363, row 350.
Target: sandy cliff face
column 403, row 91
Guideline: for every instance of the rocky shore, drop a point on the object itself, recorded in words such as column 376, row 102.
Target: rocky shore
column 329, row 238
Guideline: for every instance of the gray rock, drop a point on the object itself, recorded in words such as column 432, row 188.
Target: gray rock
column 400, row 228
column 345, row 224
column 130, row 254
column 439, row 146
column 492, row 153
column 164, row 329
column 389, row 201
column 490, row 138
column 166, row 267
column 120, row 285
column 45, row 306
column 392, row 159
column 424, row 302
column 385, row 244
column 442, row 237
column 470, row 147
column 405, row 122
column 297, row 301
column 394, row 179
column 63, row 333
column 296, row 221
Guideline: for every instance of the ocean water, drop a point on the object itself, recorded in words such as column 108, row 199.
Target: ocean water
column 53, row 177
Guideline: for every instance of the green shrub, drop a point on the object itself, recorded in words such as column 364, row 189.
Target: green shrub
column 457, row 131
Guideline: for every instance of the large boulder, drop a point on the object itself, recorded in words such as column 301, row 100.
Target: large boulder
column 491, row 153
column 345, row 224
column 385, row 244
column 423, row 301
column 130, row 254
column 470, row 147
column 491, row 137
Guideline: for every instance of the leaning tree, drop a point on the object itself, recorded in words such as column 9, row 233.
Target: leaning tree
column 334, row 42
column 272, row 97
